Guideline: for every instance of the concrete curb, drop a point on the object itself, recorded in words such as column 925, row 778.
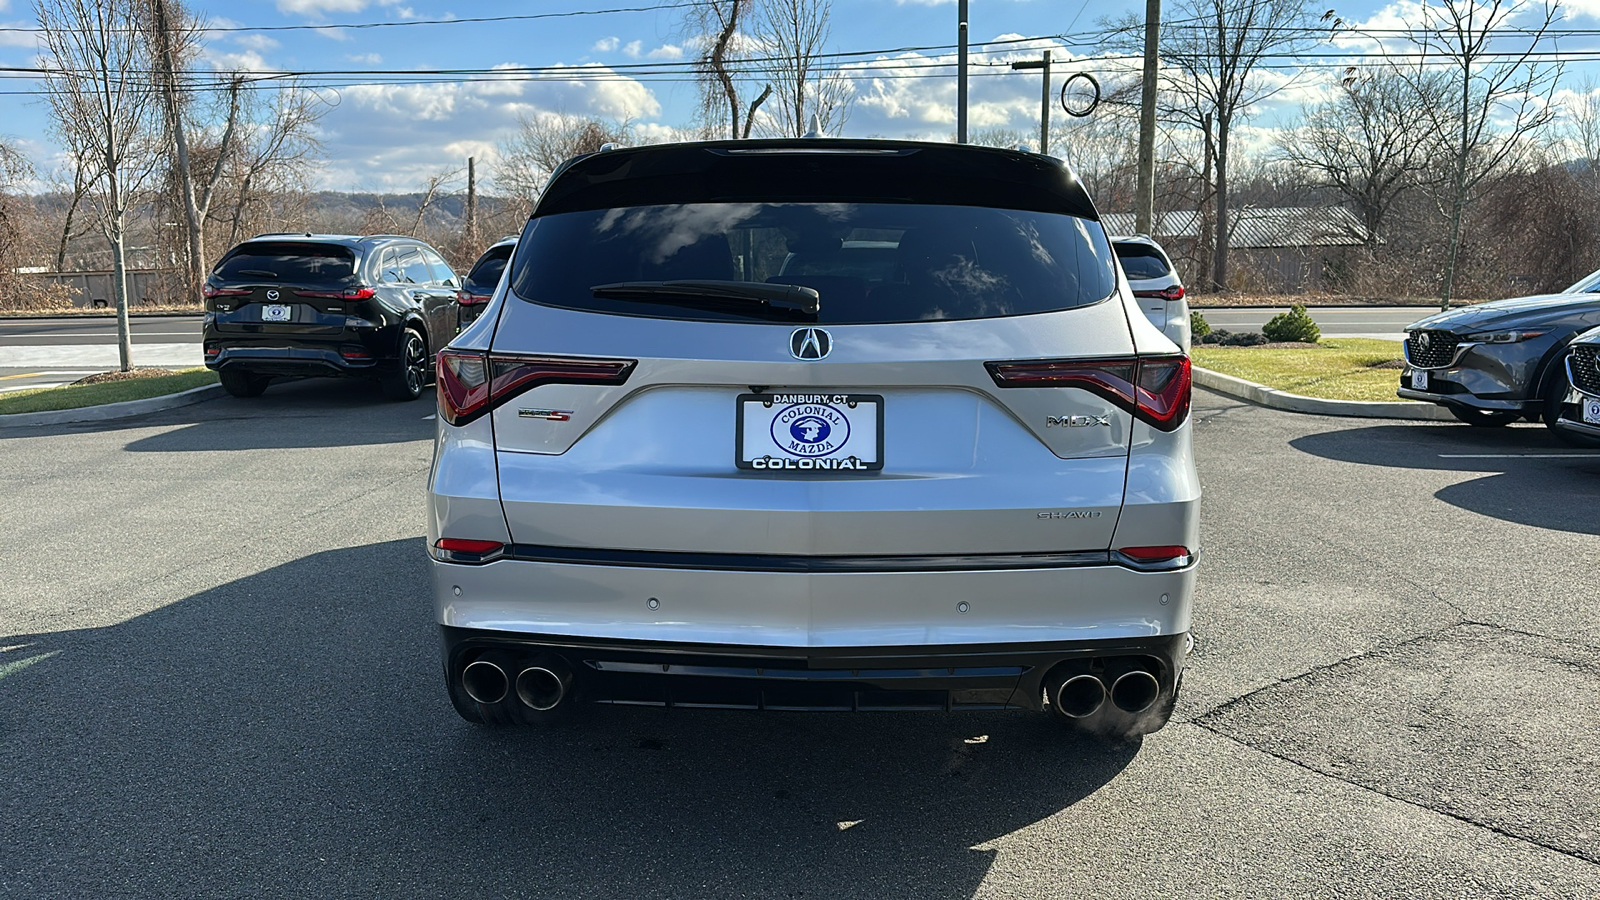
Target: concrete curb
column 1276, row 399
column 113, row 410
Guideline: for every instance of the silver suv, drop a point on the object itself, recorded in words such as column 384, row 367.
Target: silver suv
column 815, row 424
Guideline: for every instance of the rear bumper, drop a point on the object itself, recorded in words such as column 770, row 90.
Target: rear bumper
column 648, row 673
column 290, row 361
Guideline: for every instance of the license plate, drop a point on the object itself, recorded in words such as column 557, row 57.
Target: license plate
column 1419, row 380
column 276, row 312
column 809, row 432
column 1591, row 410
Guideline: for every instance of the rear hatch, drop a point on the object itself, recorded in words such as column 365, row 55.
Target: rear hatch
column 1149, row 274
column 888, row 407
column 283, row 288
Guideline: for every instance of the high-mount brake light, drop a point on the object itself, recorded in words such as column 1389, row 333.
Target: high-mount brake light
column 472, row 383
column 1156, row 389
column 208, row 292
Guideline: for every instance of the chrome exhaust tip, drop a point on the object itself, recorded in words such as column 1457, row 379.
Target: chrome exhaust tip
column 541, row 688
column 485, row 682
column 1079, row 697
column 1135, row 691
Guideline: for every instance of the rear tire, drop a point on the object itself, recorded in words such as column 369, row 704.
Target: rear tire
column 243, row 384
column 1478, row 418
column 410, row 374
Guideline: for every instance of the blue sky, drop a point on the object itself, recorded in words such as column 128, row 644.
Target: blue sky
column 392, row 137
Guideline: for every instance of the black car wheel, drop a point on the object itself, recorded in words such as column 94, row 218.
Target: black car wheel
column 410, row 375
column 243, row 384
column 1554, row 395
column 1478, row 418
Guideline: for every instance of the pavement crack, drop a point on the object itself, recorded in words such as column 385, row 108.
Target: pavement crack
column 1484, row 826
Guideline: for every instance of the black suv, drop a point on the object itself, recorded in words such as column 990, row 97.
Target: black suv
column 483, row 279
column 303, row 304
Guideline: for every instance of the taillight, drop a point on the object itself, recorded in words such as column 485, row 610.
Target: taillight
column 1175, row 292
column 356, row 353
column 471, row 383
column 467, row 298
column 1156, row 389
column 346, row 294
column 208, row 291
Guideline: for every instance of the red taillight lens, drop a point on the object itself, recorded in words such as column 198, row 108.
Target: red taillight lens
column 1155, row 389
column 1173, row 293
column 467, row 298
column 208, row 291
column 365, row 293
column 1155, row 554
column 471, row 384
column 346, row 294
column 354, row 353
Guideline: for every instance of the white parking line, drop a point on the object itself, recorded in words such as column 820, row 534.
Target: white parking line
column 1519, row 456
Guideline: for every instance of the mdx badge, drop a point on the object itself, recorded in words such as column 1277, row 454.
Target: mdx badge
column 810, row 343
column 1076, row 421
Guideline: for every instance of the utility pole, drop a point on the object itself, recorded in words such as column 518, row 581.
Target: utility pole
column 1044, row 102
column 1145, row 202
column 961, row 73
column 472, row 205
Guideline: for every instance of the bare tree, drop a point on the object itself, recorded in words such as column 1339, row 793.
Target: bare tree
column 1370, row 143
column 277, row 146
column 175, row 39
column 544, row 141
column 97, row 82
column 1497, row 97
column 1214, row 52
column 790, row 35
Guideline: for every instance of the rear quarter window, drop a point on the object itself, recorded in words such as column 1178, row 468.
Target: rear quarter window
column 488, row 269
column 288, row 262
column 868, row 262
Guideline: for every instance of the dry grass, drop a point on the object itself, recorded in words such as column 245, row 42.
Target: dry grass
column 1335, row 369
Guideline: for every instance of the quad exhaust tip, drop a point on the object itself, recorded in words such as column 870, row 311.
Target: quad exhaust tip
column 485, row 682
column 542, row 689
column 1079, row 697
column 1135, row 691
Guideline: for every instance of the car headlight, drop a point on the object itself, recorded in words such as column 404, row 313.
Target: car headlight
column 1504, row 337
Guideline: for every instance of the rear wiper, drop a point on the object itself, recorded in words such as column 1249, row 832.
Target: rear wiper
column 773, row 296
column 263, row 273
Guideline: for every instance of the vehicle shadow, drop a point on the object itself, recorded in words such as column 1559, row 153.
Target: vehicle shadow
column 308, row 413
column 1530, row 477
column 287, row 734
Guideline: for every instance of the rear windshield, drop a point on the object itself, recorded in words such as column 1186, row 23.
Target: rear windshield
column 289, row 262
column 868, row 262
column 487, row 270
column 1142, row 261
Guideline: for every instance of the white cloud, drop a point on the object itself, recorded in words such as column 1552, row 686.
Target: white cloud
column 257, row 42
column 19, row 38
column 369, row 59
column 633, row 49
column 666, row 51
column 248, row 61
column 605, row 45
column 317, row 8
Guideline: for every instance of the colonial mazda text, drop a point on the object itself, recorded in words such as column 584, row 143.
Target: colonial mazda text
column 814, row 424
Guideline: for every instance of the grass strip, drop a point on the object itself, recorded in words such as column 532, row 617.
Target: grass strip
column 77, row 396
column 1335, row 369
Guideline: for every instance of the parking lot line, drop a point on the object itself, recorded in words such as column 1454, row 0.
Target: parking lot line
column 1519, row 456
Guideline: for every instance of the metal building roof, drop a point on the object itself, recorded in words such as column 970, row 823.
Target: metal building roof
column 1258, row 228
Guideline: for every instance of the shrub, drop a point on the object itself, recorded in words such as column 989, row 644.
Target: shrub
column 1294, row 325
column 1215, row 337
column 1243, row 339
column 1198, row 326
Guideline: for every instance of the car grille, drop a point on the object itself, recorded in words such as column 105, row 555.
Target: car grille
column 1431, row 349
column 1585, row 368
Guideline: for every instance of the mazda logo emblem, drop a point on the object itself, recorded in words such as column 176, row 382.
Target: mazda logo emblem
column 272, row 295
column 810, row 343
column 1423, row 340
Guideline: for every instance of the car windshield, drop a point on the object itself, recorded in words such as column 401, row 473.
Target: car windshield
column 868, row 262
column 1142, row 261
column 1588, row 284
column 288, row 263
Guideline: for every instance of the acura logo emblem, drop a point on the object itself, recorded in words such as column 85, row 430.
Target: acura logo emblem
column 272, row 295
column 810, row 343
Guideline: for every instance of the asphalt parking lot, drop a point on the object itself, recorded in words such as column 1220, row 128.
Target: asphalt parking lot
column 219, row 677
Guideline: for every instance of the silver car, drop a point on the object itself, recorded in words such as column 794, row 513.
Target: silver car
column 1156, row 286
column 814, row 424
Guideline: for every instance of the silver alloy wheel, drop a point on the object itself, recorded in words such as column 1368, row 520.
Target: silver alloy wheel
column 416, row 362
